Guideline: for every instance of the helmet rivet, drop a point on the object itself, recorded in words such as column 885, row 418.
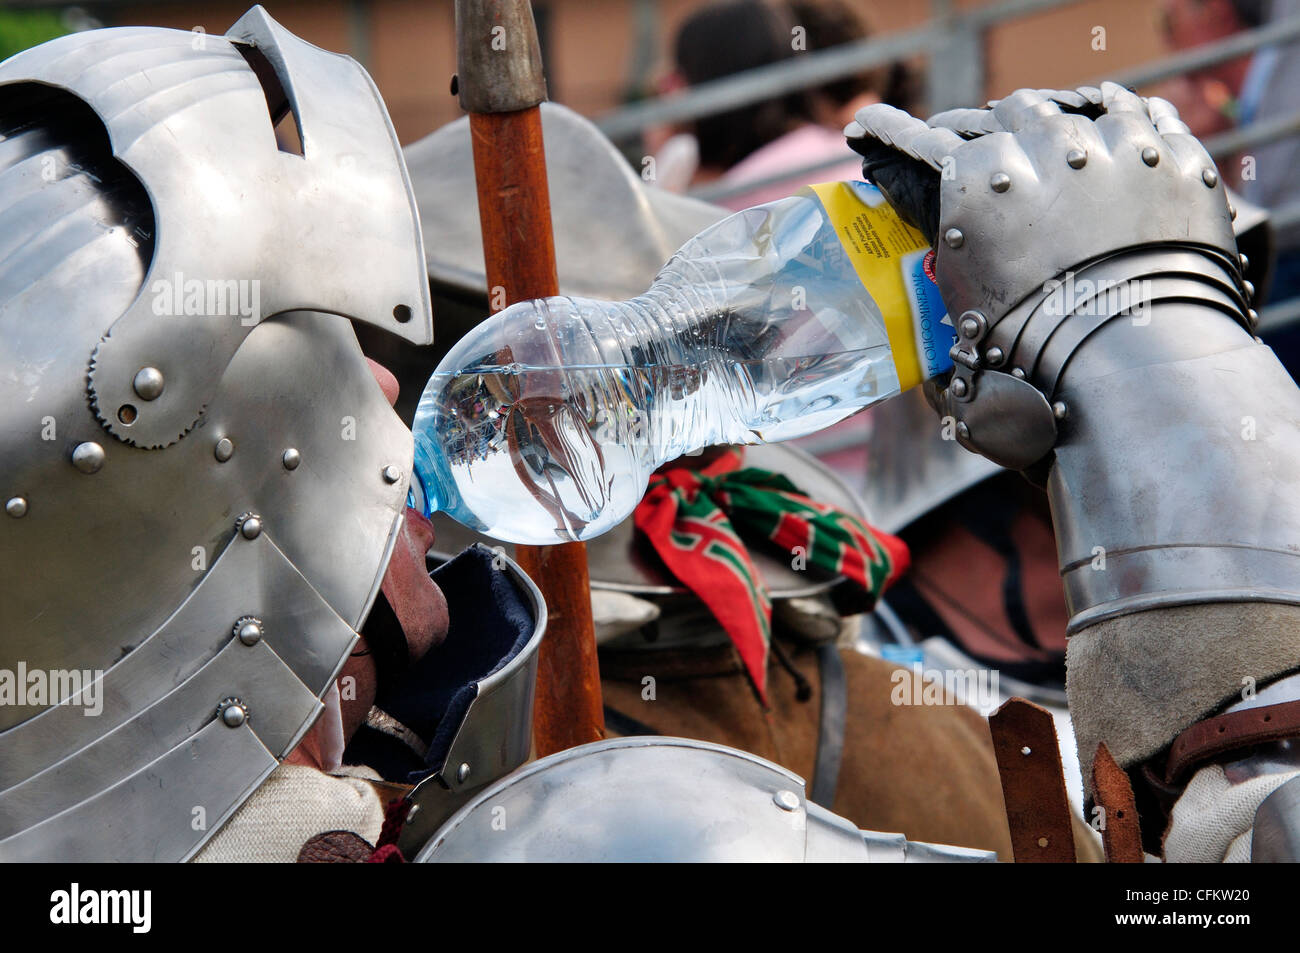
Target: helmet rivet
column 232, row 712
column 1000, row 182
column 88, row 457
column 1076, row 158
column 148, row 383
column 392, row 474
column 462, row 773
column 224, row 449
column 994, row 356
column 1059, row 410
column 786, row 800
column 1210, row 178
column 16, row 507
column 249, row 525
column 958, row 387
column 1018, row 373
column 954, row 238
column 963, row 431
column 248, row 629
column 291, row 458
column 1151, row 155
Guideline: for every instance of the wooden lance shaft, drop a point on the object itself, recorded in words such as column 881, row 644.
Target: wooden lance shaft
column 519, row 249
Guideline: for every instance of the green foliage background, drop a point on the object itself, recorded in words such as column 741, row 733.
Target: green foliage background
column 20, row 29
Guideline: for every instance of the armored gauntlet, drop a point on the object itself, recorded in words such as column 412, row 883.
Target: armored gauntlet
column 1106, row 346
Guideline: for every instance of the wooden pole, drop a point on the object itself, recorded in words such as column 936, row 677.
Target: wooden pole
column 501, row 85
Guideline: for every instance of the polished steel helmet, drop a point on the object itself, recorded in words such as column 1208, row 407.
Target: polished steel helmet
column 202, row 480
column 663, row 799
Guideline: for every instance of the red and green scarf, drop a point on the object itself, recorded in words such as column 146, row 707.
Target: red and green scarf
column 697, row 521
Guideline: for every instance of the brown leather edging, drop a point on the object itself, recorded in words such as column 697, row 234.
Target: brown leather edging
column 1121, row 836
column 1033, row 783
column 1222, row 734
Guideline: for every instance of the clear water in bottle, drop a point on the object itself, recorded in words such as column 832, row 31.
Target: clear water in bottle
column 544, row 423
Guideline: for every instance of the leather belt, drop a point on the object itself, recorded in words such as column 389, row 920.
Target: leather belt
column 1033, row 783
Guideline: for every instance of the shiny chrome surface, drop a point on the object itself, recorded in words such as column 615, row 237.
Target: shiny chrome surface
column 151, row 569
column 659, row 799
column 1276, row 836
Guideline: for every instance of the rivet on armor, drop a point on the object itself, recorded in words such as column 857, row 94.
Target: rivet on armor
column 1151, row 155
column 1076, row 158
column 1059, row 410
column 786, row 800
column 1249, row 288
column 462, row 773
column 148, row 383
column 392, row 474
column 1245, row 262
column 249, row 525
column 972, row 324
column 994, row 356
column 1253, row 317
column 958, row 387
column 16, row 507
column 1000, row 182
column 954, row 238
column 224, row 449
column 1232, row 212
column 291, row 458
column 1018, row 373
column 88, row 457
column 248, row 629
column 963, row 431
column 1210, row 178
column 233, row 712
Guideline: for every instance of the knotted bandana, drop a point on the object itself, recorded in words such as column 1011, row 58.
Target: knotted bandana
column 697, row 521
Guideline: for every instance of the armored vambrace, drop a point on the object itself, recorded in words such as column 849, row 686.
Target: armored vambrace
column 1106, row 347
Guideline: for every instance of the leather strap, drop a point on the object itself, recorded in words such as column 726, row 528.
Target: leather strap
column 1223, row 734
column 1033, row 783
column 1121, row 835
column 830, row 731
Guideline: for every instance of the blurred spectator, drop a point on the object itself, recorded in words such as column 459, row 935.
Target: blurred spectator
column 758, row 142
column 1208, row 99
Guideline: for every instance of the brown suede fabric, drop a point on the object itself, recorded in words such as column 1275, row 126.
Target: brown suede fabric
column 924, row 771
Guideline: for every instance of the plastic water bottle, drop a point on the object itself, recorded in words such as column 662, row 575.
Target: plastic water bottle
column 544, row 423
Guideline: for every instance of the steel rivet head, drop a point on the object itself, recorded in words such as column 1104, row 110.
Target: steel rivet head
column 233, row 712
column 291, row 458
column 1249, row 288
column 972, row 324
column 248, row 629
column 88, row 457
column 1000, row 182
column 16, row 507
column 963, row 431
column 954, row 238
column 148, row 383
column 1252, row 316
column 1232, row 212
column 462, row 773
column 392, row 474
column 958, row 387
column 994, row 356
column 224, row 449
column 786, row 800
column 1076, row 158
column 1210, row 178
column 249, row 525
column 1059, row 410
column 1018, row 373
column 1245, row 262
column 1151, row 155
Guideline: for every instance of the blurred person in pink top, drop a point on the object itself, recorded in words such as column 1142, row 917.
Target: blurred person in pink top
column 757, row 142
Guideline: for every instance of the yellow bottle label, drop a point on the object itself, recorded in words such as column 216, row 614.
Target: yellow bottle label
column 896, row 266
